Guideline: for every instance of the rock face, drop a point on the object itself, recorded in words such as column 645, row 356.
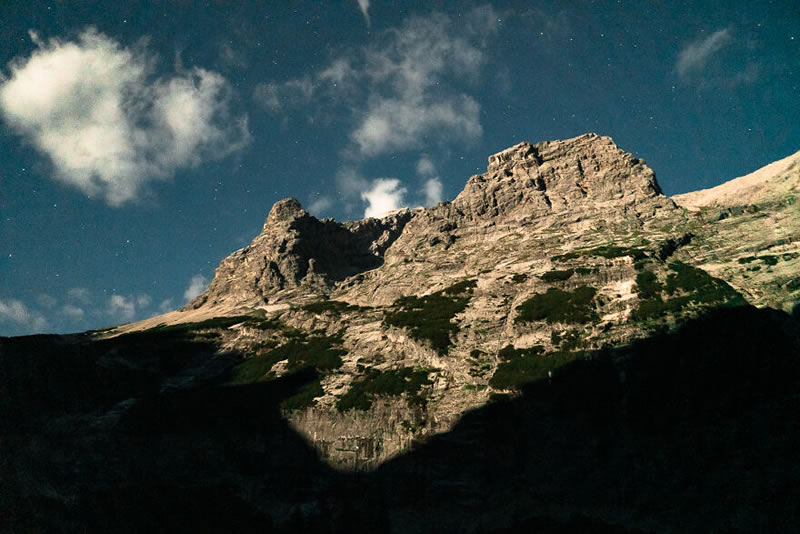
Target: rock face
column 577, row 178
column 527, row 180
column 295, row 249
column 507, row 356
column 771, row 183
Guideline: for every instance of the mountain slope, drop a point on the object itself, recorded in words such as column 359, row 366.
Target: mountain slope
column 557, row 328
column 748, row 233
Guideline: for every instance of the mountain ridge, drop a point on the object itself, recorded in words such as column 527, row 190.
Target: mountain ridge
column 561, row 346
column 522, row 182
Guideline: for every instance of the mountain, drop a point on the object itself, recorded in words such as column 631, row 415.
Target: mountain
column 560, row 348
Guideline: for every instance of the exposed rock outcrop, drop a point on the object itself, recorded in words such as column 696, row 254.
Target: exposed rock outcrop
column 551, row 177
column 583, row 178
column 296, row 249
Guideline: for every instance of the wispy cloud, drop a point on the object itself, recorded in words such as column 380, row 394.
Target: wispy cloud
column 425, row 166
column 81, row 295
column 363, row 5
column 15, row 311
column 120, row 306
column 107, row 124
column 385, row 195
column 398, row 93
column 695, row 56
column 433, row 191
column 72, row 312
column 320, row 204
column 277, row 97
column 46, row 301
column 165, row 306
column 197, row 285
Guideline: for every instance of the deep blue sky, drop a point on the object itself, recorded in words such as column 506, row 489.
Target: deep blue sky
column 141, row 145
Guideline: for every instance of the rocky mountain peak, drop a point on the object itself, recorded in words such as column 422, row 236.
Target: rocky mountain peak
column 582, row 178
column 285, row 210
column 297, row 250
column 585, row 172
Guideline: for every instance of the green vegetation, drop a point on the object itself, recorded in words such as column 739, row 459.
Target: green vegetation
column 509, row 353
column 363, row 392
column 201, row 328
column 460, row 288
column 557, row 276
column 583, row 271
column 213, row 323
column 769, row 259
column 567, row 341
column 304, row 397
column 332, row 306
column 531, row 368
column 429, row 317
column 647, row 285
column 556, row 306
column 607, row 251
column 519, row 278
column 686, row 286
column 319, row 352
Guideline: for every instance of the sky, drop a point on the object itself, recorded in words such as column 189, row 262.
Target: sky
column 143, row 142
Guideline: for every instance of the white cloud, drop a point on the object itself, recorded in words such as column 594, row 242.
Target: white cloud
column 143, row 301
column 399, row 87
column 320, row 205
column 165, row 306
column 79, row 294
column 426, row 167
column 433, row 191
column 73, row 313
column 694, row 57
column 13, row 310
column 385, row 195
column 402, row 91
column 107, row 124
column 363, row 5
column 231, row 57
column 409, row 97
column 197, row 285
column 46, row 301
column 122, row 307
column 399, row 124
column 277, row 97
column 338, row 72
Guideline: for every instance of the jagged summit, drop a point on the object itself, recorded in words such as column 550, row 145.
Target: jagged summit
column 294, row 250
column 285, row 210
column 554, row 176
column 582, row 177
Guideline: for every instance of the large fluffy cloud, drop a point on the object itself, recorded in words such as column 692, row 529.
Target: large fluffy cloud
column 107, row 124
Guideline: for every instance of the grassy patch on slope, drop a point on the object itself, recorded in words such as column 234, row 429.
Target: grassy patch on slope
column 363, row 392
column 526, row 368
column 429, row 318
column 685, row 286
column 558, row 306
